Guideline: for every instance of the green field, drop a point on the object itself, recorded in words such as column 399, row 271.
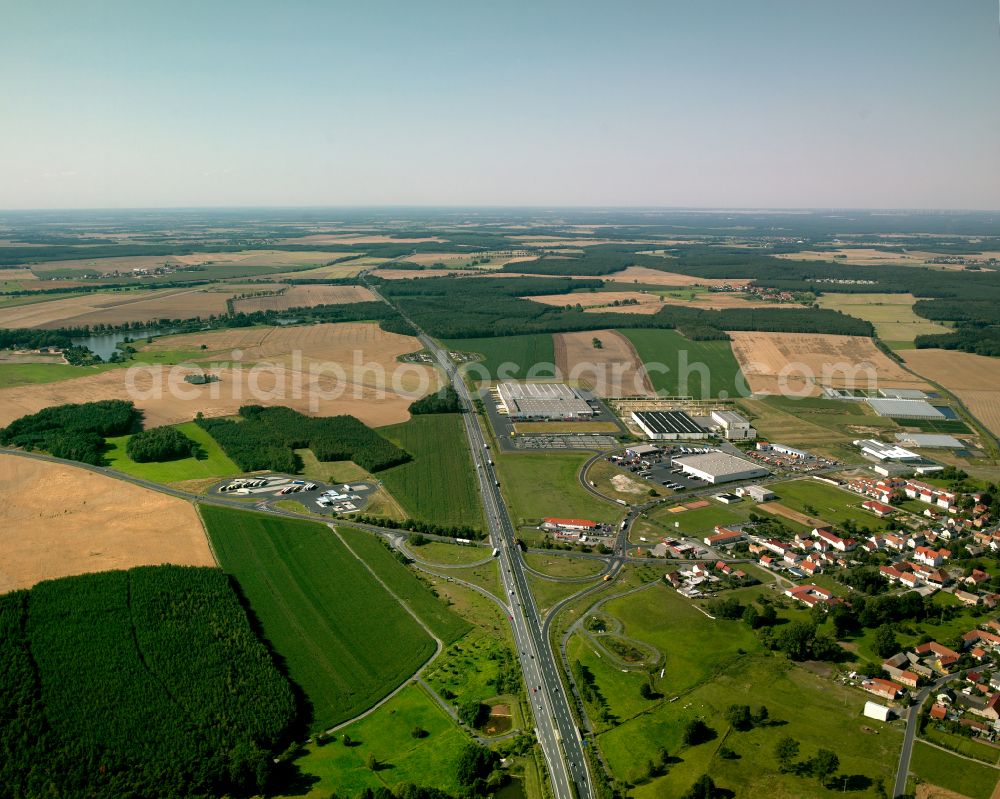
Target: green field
column 562, row 566
column 468, row 669
column 951, row 772
column 537, row 485
column 710, row 664
column 386, row 733
column 24, row 374
column 700, row 522
column 829, row 503
column 697, row 369
column 439, row 484
column 211, row 460
column 548, row 592
column 318, row 606
column 509, row 357
column 409, row 588
column 450, row 554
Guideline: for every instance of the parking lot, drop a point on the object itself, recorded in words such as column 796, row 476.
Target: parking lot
column 659, row 470
column 314, row 495
column 582, row 441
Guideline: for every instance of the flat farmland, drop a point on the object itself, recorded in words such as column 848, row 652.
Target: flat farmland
column 413, row 274
column 516, row 354
column 321, row 370
column 948, row 771
column 125, row 264
column 892, row 314
column 833, row 505
column 439, row 484
column 327, row 270
column 58, row 520
column 613, row 370
column 644, row 303
column 114, row 308
column 799, row 363
column 654, row 277
column 717, row 300
column 305, row 297
column 678, row 366
column 321, row 627
column 974, row 379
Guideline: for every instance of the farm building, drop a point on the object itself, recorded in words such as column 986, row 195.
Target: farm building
column 884, row 452
column 719, row 467
column 734, row 426
column 874, row 710
column 542, row 401
column 905, row 408
column 929, row 440
column 668, row 425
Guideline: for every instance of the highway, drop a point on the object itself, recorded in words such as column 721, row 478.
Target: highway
column 554, row 725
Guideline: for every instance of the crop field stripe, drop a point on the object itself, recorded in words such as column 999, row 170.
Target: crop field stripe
column 665, row 347
column 438, row 485
column 448, row 626
column 317, row 605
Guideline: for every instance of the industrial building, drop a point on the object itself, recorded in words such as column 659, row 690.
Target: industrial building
column 885, row 452
column 929, row 440
column 758, row 493
column 643, row 450
column 668, row 425
column 719, row 467
column 734, row 427
column 905, row 408
column 902, row 393
column 542, row 401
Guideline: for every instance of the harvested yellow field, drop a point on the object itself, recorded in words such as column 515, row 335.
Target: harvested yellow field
column 639, row 301
column 718, row 300
column 305, row 297
column 974, row 379
column 17, row 274
column 654, row 277
column 800, row 363
column 333, row 271
column 115, row 308
column 859, row 256
column 321, row 370
column 411, row 274
column 123, row 264
column 332, row 239
column 892, row 314
column 613, row 370
column 57, row 520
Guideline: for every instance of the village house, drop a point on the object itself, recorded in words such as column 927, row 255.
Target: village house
column 884, row 688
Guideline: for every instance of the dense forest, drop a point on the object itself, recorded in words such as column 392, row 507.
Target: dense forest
column 444, row 401
column 147, row 683
column 74, row 432
column 265, row 438
column 159, row 444
column 456, row 307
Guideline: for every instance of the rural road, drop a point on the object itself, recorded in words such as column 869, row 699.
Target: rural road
column 912, row 714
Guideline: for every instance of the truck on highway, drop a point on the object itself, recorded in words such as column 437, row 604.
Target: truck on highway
column 495, row 552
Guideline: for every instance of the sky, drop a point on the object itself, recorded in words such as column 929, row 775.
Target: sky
column 675, row 103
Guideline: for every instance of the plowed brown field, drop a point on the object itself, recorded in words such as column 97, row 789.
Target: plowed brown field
column 305, row 297
column 614, row 370
column 974, row 379
column 57, row 520
column 799, row 363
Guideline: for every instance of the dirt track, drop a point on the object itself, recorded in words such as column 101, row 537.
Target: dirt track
column 57, row 521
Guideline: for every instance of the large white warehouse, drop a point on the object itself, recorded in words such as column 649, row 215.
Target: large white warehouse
column 720, row 467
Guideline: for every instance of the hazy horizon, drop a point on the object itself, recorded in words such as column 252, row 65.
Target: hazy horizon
column 680, row 105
